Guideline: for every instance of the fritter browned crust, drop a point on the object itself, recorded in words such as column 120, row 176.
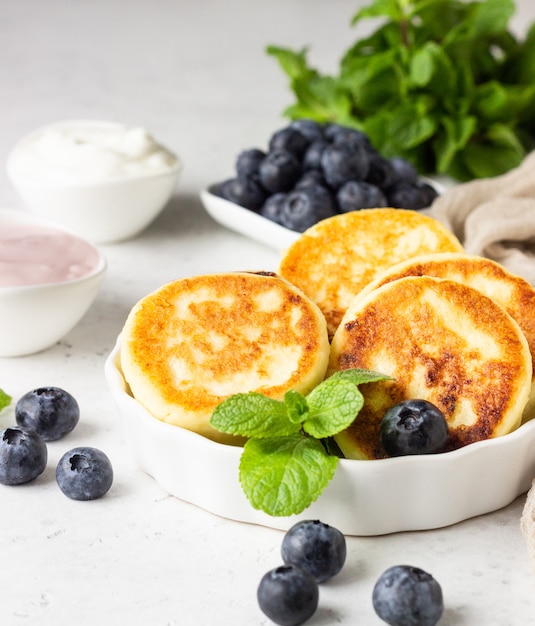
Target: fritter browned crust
column 334, row 259
column 195, row 341
column 512, row 292
column 441, row 341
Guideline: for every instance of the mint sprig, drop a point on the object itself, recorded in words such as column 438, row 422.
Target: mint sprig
column 285, row 463
column 443, row 83
column 5, row 399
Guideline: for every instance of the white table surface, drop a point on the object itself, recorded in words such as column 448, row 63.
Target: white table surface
column 196, row 75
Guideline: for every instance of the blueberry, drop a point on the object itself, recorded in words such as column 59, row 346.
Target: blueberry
column 355, row 195
column 49, row 411
column 312, row 157
column 23, row 456
column 381, row 172
column 84, row 473
column 272, row 207
column 247, row 192
column 305, row 206
column 353, row 138
column 341, row 163
column 288, row 595
column 311, row 177
column 413, row 427
column 290, row 140
column 279, row 171
column 407, row 596
column 408, row 195
column 404, row 170
column 332, row 130
column 428, row 194
column 311, row 129
column 315, row 547
column 248, row 162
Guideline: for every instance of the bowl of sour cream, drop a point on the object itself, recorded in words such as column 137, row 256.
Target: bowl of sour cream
column 49, row 278
column 103, row 180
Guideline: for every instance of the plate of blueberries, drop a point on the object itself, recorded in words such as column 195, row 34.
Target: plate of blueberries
column 309, row 172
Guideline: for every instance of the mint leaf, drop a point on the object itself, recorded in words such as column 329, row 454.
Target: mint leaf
column 453, row 137
column 296, row 406
column 294, row 64
column 333, row 405
column 5, row 399
column 381, row 8
column 252, row 415
column 501, row 147
column 283, row 476
column 359, row 376
column 290, row 456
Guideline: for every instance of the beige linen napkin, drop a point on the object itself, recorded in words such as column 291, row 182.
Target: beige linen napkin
column 527, row 523
column 495, row 217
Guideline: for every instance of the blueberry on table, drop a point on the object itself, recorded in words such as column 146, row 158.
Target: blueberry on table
column 305, row 206
column 84, row 473
column 413, row 427
column 288, row 595
column 408, row 596
column 355, row 195
column 290, row 140
column 248, row 162
column 23, row 456
column 316, row 547
column 51, row 412
column 279, row 171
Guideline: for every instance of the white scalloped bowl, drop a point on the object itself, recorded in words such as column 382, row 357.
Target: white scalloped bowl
column 364, row 498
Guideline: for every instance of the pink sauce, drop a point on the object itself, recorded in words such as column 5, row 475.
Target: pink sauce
column 36, row 255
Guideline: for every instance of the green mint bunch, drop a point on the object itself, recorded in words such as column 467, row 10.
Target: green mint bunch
column 286, row 463
column 442, row 83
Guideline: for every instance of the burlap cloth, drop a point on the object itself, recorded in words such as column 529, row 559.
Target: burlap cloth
column 495, row 217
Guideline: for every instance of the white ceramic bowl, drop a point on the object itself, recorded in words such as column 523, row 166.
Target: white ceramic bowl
column 35, row 317
column 259, row 228
column 364, row 498
column 103, row 211
column 246, row 222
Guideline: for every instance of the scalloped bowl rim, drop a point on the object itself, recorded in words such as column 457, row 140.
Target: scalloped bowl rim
column 365, row 498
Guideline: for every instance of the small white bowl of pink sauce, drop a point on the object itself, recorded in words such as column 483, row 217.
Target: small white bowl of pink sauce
column 49, row 278
column 103, row 180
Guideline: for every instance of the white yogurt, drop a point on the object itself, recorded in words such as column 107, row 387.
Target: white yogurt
column 37, row 255
column 89, row 151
